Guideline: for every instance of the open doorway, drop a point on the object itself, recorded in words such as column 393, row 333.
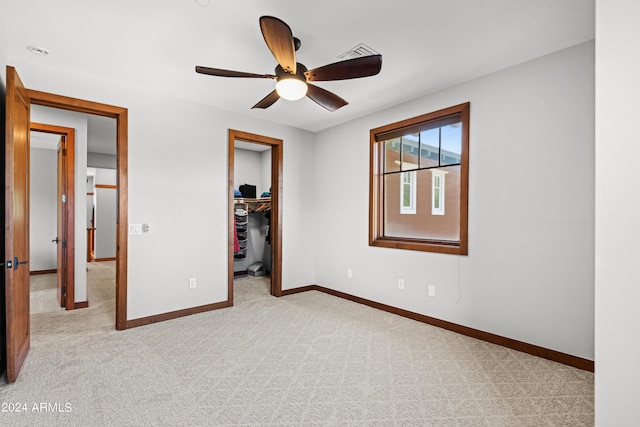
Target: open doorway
column 52, row 213
column 255, row 225
column 116, row 117
column 96, row 215
column 252, row 260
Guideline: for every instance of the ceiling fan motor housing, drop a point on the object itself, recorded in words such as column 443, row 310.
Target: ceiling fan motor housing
column 300, row 70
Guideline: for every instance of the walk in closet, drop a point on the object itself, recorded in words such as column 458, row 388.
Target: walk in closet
column 252, row 209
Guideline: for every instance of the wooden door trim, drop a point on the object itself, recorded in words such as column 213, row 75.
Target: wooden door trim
column 276, row 207
column 69, row 135
column 121, row 116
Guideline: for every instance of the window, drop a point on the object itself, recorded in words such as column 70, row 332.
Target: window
column 437, row 192
column 408, row 193
column 420, row 166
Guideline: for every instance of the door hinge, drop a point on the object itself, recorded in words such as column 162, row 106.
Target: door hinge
column 64, row 290
column 64, row 151
column 64, row 244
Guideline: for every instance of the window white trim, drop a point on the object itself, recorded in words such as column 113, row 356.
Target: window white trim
column 408, row 198
column 437, row 191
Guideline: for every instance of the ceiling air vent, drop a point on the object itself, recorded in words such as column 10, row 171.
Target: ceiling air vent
column 358, row 51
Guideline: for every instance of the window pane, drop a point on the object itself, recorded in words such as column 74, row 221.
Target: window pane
column 429, row 148
column 424, row 224
column 392, row 199
column 392, row 155
column 451, row 144
column 409, row 152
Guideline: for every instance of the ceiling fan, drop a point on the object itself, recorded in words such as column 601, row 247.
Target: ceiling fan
column 292, row 78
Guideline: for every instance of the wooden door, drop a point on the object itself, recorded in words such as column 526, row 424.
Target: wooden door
column 16, row 223
column 61, row 233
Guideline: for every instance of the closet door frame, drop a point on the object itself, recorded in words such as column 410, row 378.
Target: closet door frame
column 276, row 207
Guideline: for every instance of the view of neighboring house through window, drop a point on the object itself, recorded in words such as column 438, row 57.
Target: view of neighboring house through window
column 420, row 167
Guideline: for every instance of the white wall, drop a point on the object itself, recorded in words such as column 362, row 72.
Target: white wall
column 105, row 176
column 100, row 160
column 252, row 167
column 105, row 221
column 79, row 123
column 529, row 272
column 265, row 160
column 181, row 192
column 105, row 202
column 43, row 209
column 617, row 212
column 247, row 169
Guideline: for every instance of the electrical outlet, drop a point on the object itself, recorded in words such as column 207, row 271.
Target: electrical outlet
column 431, row 290
column 192, row 282
column 400, row 283
column 349, row 273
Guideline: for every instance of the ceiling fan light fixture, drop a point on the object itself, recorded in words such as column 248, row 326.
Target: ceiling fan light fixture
column 291, row 88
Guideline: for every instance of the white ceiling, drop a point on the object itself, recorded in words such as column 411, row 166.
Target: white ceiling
column 426, row 45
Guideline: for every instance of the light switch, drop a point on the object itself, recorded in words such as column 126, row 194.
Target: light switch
column 135, row 228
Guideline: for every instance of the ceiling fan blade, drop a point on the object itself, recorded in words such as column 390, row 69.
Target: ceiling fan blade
column 230, row 73
column 279, row 39
column 268, row 100
column 364, row 66
column 324, row 98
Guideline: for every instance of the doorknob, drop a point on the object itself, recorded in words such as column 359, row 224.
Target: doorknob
column 56, row 240
column 16, row 263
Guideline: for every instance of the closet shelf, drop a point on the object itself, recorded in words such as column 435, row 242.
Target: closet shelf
column 241, row 219
column 256, row 205
column 253, row 201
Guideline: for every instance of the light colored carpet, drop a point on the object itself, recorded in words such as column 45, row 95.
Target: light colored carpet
column 304, row 359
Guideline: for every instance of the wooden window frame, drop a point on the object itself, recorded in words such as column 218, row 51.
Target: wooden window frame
column 376, row 183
